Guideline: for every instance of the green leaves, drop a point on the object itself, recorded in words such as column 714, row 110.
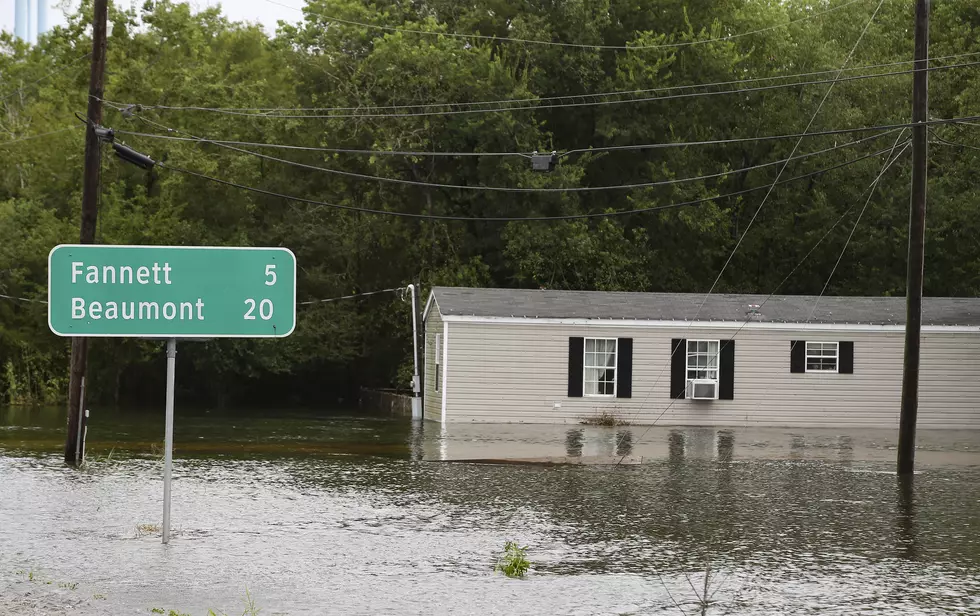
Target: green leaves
column 423, row 90
column 513, row 562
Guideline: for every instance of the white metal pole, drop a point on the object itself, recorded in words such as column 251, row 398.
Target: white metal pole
column 168, row 444
column 416, row 385
column 84, row 435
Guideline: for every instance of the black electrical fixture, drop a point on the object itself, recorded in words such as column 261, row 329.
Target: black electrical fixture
column 544, row 162
column 130, row 155
column 105, row 134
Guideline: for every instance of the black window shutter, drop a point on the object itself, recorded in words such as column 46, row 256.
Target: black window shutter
column 576, row 355
column 726, row 365
column 678, row 368
column 797, row 356
column 845, row 363
column 624, row 368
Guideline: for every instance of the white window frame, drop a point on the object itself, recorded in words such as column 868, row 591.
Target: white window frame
column 586, row 367
column 687, row 361
column 438, row 362
column 807, row 355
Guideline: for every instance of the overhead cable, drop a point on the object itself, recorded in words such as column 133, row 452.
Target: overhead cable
column 48, row 76
column 758, row 210
column 571, row 45
column 572, row 189
column 416, row 114
column 548, row 98
column 282, row 146
column 633, row 147
column 306, row 303
column 23, row 299
column 947, row 142
column 355, row 295
column 352, row 208
column 38, row 136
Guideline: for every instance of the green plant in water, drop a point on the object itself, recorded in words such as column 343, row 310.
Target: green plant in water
column 605, row 418
column 68, row 585
column 513, row 563
column 158, row 610
column 146, row 529
column 250, row 607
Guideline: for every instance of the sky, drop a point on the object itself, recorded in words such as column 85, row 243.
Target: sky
column 263, row 11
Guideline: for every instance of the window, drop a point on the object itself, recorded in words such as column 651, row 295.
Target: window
column 702, row 360
column 438, row 361
column 600, row 366
column 821, row 356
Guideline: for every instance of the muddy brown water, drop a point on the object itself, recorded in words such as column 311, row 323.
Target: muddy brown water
column 320, row 513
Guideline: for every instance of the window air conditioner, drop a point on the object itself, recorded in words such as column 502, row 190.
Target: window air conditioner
column 702, row 390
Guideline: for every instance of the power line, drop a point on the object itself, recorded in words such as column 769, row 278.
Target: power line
column 416, row 114
column 530, row 190
column 547, row 98
column 634, row 147
column 765, row 199
column 23, row 299
column 419, row 153
column 307, row 303
column 571, row 45
column 355, row 295
column 946, row 142
column 352, row 208
column 48, row 76
column 823, row 133
column 889, row 161
column 38, row 136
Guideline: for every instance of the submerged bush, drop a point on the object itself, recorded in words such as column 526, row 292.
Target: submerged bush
column 605, row 418
column 513, row 563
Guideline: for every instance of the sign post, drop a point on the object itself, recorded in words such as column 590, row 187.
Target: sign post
column 168, row 436
column 171, row 292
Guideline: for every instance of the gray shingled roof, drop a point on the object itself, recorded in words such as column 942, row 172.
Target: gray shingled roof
column 683, row 306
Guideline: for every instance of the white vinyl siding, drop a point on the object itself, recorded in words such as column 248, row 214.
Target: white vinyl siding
column 599, row 378
column 507, row 372
column 432, row 401
column 822, row 356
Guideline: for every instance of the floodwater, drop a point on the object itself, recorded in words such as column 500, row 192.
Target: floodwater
column 352, row 514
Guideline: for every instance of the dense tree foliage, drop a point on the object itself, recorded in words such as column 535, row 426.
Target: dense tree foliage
column 350, row 86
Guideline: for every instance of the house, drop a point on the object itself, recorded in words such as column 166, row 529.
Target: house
column 543, row 356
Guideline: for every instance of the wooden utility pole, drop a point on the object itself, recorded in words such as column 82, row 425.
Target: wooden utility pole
column 90, row 212
column 917, row 243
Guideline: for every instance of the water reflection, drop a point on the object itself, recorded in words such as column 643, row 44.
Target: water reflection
column 781, row 538
column 675, row 446
column 726, row 445
column 574, row 442
column 845, row 449
column 797, row 446
column 417, row 440
column 905, row 518
column 624, row 443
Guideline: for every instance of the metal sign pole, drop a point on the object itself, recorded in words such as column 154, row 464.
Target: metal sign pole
column 168, row 444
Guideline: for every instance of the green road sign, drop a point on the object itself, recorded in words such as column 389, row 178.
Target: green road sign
column 171, row 291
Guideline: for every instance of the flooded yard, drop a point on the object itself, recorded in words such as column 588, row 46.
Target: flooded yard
column 347, row 514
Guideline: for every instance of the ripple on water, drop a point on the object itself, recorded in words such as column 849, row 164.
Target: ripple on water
column 384, row 534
